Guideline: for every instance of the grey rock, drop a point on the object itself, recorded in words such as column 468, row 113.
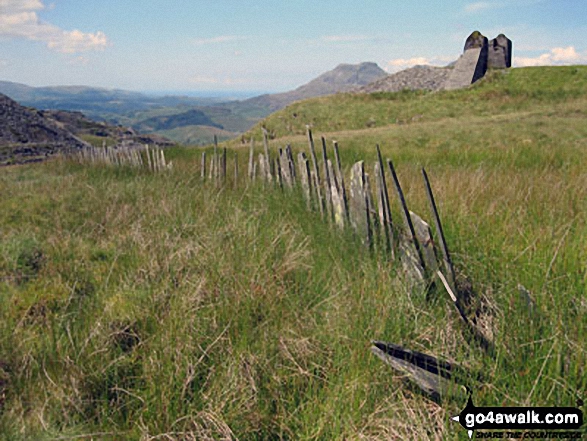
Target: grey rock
column 415, row 78
column 26, row 135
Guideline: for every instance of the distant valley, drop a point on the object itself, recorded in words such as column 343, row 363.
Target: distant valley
column 183, row 119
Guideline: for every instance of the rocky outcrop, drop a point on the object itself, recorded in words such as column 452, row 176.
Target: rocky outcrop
column 80, row 125
column 30, row 135
column 414, row 78
column 25, row 135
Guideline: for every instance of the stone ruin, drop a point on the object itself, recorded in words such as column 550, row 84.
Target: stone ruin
column 480, row 54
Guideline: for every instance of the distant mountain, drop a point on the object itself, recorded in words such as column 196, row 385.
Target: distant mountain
column 179, row 116
column 343, row 78
column 238, row 116
column 98, row 103
column 26, row 135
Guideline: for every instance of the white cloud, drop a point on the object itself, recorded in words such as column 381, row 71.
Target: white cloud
column 219, row 39
column 477, row 6
column 405, row 63
column 19, row 19
column 557, row 56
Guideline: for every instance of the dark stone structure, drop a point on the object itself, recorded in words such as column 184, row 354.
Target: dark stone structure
column 479, row 55
column 500, row 53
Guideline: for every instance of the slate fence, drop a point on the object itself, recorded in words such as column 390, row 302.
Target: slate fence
column 361, row 202
column 135, row 156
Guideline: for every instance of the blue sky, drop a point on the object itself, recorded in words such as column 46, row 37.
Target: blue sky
column 264, row 45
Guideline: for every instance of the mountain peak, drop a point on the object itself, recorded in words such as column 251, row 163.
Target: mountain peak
column 343, row 78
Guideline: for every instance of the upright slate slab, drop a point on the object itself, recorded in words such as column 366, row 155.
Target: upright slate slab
column 305, row 177
column 315, row 171
column 291, row 163
column 340, row 177
column 499, row 53
column 263, row 167
column 203, row 166
column 268, row 172
column 338, row 208
column 286, row 174
column 424, row 238
column 359, row 204
column 327, row 180
column 472, row 65
column 212, row 174
column 251, row 158
column 235, row 170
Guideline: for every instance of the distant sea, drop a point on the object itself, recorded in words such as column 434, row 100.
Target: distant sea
column 225, row 95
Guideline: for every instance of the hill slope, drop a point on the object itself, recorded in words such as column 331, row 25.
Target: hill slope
column 499, row 92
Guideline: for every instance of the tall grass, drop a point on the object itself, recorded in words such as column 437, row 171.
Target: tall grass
column 140, row 306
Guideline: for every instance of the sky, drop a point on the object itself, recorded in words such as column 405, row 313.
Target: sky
column 265, row 45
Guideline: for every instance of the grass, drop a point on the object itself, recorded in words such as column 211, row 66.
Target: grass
column 499, row 93
column 141, row 306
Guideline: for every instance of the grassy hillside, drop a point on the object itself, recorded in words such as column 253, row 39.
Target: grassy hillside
column 137, row 306
column 499, row 93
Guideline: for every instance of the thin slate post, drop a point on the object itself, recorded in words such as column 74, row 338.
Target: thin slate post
column 251, row 158
column 285, row 168
column 379, row 192
column 450, row 273
column 216, row 160
column 327, row 184
column 262, row 167
column 278, row 172
column 211, row 173
column 305, row 177
column 337, row 202
column 419, row 261
column 235, row 170
column 292, row 166
column 224, row 164
column 388, row 224
column 370, row 212
column 358, row 203
column 341, row 181
column 268, row 163
column 424, row 236
column 203, row 166
column 316, row 171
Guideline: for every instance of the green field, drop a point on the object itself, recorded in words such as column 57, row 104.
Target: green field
column 159, row 307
